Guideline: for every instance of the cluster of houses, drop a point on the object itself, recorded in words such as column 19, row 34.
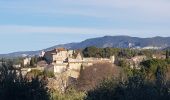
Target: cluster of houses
column 134, row 62
column 61, row 60
column 66, row 64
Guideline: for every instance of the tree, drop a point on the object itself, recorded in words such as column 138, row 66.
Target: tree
column 13, row 86
column 151, row 67
column 167, row 54
column 104, row 91
column 135, row 88
column 92, row 52
column 33, row 61
column 91, row 76
column 70, row 94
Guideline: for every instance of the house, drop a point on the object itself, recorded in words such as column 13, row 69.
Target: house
column 42, row 54
column 158, row 56
column 24, row 71
column 56, row 68
column 135, row 61
column 26, row 61
column 17, row 65
column 61, row 60
column 138, row 59
column 58, row 55
column 75, row 65
column 99, row 60
column 112, row 58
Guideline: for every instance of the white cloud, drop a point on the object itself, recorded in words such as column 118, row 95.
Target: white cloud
column 145, row 11
column 16, row 29
column 95, row 8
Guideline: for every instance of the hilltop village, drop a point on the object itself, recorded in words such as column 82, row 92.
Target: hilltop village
column 61, row 60
column 86, row 69
column 64, row 67
column 64, row 64
column 70, row 62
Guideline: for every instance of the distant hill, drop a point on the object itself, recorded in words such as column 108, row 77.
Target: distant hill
column 107, row 41
column 167, row 48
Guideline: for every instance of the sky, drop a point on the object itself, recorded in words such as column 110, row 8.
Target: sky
column 37, row 24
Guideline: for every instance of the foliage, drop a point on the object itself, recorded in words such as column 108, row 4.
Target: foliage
column 167, row 54
column 13, row 86
column 16, row 60
column 151, row 66
column 138, row 86
column 70, row 94
column 100, row 52
column 123, row 63
column 91, row 76
column 135, row 88
column 167, row 61
column 148, row 53
column 127, row 53
column 35, row 73
column 92, row 52
column 48, row 74
column 121, row 53
column 104, row 91
column 125, row 66
column 33, row 61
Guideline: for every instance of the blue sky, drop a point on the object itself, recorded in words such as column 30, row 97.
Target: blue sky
column 38, row 24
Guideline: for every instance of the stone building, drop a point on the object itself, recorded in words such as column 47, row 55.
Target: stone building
column 135, row 61
column 26, row 61
column 62, row 60
column 58, row 55
column 42, row 54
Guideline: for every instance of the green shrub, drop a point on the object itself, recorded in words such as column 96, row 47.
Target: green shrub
column 70, row 94
column 49, row 74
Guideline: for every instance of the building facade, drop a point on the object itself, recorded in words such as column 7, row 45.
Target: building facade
column 61, row 60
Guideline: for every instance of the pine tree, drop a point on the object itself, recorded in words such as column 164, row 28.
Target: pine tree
column 167, row 54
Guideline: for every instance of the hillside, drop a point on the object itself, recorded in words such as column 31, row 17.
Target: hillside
column 107, row 41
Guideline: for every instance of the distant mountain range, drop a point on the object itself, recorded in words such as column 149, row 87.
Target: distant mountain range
column 107, row 41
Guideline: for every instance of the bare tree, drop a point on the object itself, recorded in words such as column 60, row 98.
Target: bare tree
column 93, row 75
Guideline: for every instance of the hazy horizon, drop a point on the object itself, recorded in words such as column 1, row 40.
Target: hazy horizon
column 73, row 42
column 34, row 25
